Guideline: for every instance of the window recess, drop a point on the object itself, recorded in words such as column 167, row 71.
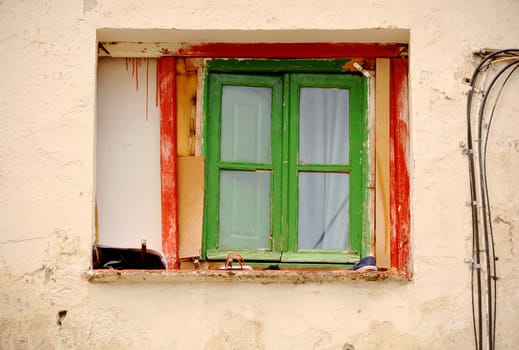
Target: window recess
column 269, row 175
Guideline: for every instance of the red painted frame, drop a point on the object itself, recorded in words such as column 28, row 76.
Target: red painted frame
column 399, row 134
column 400, row 215
column 290, row 50
column 168, row 159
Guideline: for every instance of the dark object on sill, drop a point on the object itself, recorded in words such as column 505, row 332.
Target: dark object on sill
column 127, row 258
column 272, row 267
column 367, row 263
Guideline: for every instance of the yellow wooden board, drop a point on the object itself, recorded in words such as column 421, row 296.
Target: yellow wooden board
column 190, row 205
column 382, row 162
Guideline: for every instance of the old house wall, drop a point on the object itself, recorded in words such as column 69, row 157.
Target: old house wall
column 48, row 55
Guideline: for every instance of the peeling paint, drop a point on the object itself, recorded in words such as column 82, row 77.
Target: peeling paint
column 168, row 160
column 251, row 50
column 399, row 188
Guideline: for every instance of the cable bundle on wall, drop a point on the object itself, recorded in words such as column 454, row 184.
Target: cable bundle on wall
column 482, row 100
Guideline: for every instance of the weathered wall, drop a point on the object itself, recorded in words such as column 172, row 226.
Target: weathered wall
column 48, row 70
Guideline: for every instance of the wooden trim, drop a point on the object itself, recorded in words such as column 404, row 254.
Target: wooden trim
column 251, row 50
column 382, row 163
column 168, row 160
column 400, row 189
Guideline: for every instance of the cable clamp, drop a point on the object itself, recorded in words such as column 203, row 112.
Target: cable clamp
column 474, row 203
column 463, row 147
column 472, row 265
column 477, row 91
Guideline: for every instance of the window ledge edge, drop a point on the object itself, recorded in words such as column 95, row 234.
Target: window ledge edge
column 263, row 277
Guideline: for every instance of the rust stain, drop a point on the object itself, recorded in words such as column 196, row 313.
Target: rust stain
column 165, row 52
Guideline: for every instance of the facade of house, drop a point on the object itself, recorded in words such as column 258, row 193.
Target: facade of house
column 68, row 67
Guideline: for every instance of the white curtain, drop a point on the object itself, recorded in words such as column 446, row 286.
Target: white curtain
column 323, row 197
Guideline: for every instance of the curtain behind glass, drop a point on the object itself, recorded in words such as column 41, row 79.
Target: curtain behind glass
column 246, row 115
column 324, row 126
column 323, row 197
column 244, row 210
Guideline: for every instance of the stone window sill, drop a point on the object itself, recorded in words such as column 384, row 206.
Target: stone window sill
column 263, row 277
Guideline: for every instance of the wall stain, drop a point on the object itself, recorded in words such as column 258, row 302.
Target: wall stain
column 60, row 317
column 237, row 333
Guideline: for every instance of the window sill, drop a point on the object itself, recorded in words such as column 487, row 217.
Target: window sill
column 263, row 277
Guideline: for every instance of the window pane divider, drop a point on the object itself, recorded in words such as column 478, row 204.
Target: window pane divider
column 325, row 168
column 244, row 166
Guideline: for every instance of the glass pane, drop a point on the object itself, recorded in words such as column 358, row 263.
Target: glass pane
column 324, row 126
column 246, row 124
column 244, row 209
column 323, row 211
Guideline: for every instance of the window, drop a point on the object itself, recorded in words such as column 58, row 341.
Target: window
column 286, row 165
column 298, row 161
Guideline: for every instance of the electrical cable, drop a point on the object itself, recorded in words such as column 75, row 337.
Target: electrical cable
column 492, row 275
column 488, row 235
column 487, row 223
column 485, row 63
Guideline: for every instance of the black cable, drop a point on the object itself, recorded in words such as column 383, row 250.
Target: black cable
column 486, row 190
column 478, row 332
column 475, row 232
column 488, row 227
column 485, row 203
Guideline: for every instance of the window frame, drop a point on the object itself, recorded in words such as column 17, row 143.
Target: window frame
column 295, row 74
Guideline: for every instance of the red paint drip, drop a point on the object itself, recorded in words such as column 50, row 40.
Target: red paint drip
column 147, row 84
column 399, row 173
column 137, row 65
column 168, row 160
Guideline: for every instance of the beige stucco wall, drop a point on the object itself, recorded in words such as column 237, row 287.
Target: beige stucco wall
column 47, row 108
